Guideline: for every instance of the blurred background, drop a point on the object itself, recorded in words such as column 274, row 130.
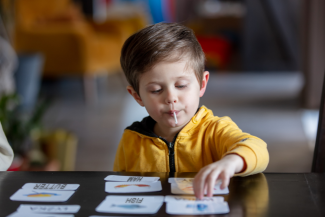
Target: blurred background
column 63, row 101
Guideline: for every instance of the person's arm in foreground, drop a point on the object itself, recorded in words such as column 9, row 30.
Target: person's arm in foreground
column 241, row 155
column 6, row 153
column 223, row 169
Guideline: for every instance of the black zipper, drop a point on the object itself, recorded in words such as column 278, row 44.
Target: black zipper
column 171, row 157
column 171, row 153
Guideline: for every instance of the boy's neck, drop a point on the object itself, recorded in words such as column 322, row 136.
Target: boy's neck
column 168, row 134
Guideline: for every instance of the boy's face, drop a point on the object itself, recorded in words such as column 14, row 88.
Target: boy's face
column 170, row 83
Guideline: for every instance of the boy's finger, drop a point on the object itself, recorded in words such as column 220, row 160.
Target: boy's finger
column 225, row 181
column 198, row 187
column 204, row 189
column 195, row 185
column 198, row 184
column 211, row 180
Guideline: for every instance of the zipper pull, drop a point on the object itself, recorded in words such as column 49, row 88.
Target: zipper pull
column 170, row 145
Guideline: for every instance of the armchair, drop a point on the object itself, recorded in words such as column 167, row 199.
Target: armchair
column 70, row 43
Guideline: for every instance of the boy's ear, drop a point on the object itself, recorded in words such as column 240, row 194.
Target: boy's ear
column 135, row 95
column 204, row 83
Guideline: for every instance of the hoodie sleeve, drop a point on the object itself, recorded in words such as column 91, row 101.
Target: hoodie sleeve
column 229, row 139
column 6, row 153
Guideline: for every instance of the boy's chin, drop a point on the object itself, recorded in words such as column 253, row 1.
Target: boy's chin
column 172, row 124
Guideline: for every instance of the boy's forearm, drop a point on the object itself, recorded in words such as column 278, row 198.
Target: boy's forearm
column 240, row 164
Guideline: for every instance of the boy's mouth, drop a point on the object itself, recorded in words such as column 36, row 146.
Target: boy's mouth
column 171, row 113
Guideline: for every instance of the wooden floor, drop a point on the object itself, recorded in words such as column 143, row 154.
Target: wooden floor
column 263, row 104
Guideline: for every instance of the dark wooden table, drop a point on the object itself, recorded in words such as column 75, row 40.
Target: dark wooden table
column 257, row 195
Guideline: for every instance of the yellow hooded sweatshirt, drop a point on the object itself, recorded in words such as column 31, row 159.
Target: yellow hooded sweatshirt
column 204, row 140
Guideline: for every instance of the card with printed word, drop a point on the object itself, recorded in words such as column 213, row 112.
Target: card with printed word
column 196, row 208
column 127, row 187
column 20, row 214
column 30, row 208
column 51, row 186
column 131, row 204
column 41, row 195
column 181, row 180
column 114, row 178
column 186, row 181
column 173, row 198
column 188, row 189
column 119, row 216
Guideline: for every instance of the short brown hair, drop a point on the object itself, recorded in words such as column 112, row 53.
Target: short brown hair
column 160, row 42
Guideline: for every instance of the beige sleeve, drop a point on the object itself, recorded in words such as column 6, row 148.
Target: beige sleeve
column 6, row 153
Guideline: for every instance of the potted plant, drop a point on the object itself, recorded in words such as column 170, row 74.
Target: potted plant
column 23, row 130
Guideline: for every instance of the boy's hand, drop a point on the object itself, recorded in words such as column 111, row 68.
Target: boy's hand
column 223, row 169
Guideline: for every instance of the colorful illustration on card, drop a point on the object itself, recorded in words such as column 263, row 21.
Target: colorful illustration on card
column 129, row 206
column 186, row 181
column 187, row 189
column 42, row 194
column 199, row 207
column 190, row 189
column 138, row 185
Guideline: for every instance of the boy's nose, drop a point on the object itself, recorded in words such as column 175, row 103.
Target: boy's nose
column 171, row 98
column 171, row 101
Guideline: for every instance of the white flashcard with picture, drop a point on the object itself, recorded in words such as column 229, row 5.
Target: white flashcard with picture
column 187, row 181
column 181, row 180
column 197, row 208
column 188, row 189
column 41, row 195
column 127, row 187
column 20, row 214
column 35, row 208
column 176, row 198
column 51, row 186
column 131, row 204
column 115, row 178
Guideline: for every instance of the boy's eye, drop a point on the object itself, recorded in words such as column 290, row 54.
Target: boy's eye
column 181, row 86
column 156, row 91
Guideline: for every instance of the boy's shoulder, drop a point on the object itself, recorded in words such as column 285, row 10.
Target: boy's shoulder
column 204, row 118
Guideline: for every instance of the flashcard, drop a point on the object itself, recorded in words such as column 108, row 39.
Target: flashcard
column 131, row 204
column 188, row 189
column 119, row 216
column 135, row 199
column 172, row 198
column 197, row 208
column 41, row 195
column 127, row 187
column 27, row 208
column 20, row 214
column 186, row 181
column 131, row 178
column 181, row 180
column 51, row 186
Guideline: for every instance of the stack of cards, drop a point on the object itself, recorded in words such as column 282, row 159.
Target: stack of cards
column 131, row 204
column 188, row 205
column 185, row 186
column 45, row 192
column 29, row 210
column 132, row 184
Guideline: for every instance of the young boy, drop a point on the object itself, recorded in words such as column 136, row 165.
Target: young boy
column 164, row 65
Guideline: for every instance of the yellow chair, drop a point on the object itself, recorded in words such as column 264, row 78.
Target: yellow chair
column 70, row 43
column 60, row 146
